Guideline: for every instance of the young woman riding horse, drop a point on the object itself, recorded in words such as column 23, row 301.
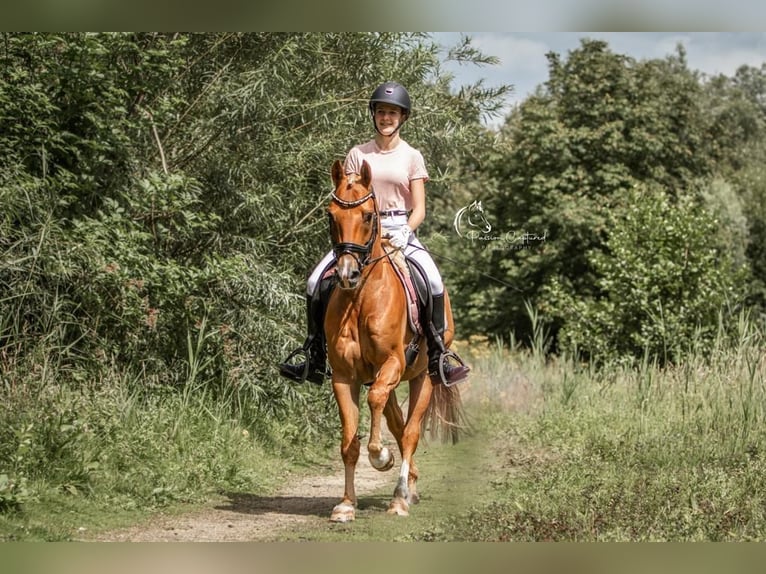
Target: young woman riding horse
column 398, row 177
column 367, row 332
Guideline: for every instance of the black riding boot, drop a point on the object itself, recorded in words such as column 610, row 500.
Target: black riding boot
column 439, row 366
column 314, row 367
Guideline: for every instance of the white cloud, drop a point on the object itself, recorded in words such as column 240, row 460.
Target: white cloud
column 667, row 44
column 516, row 53
column 523, row 63
column 727, row 63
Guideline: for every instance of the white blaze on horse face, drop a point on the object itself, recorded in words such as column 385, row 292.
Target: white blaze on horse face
column 355, row 234
column 348, row 272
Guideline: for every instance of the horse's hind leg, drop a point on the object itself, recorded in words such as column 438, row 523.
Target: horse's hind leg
column 406, row 488
column 394, row 419
column 347, row 397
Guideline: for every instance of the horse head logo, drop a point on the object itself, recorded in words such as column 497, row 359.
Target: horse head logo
column 471, row 219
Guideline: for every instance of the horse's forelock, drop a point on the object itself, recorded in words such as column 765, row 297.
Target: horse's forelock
column 353, row 184
column 351, row 179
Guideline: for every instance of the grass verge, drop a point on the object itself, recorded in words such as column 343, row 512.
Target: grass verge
column 637, row 453
column 82, row 460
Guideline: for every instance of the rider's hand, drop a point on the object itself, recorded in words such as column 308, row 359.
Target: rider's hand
column 400, row 237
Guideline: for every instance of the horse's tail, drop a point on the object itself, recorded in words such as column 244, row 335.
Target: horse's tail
column 445, row 417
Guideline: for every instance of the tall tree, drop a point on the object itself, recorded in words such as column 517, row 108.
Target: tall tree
column 737, row 117
column 154, row 179
column 601, row 126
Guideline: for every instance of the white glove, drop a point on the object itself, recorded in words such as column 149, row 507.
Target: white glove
column 400, row 237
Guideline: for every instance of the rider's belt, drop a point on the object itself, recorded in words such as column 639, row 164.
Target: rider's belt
column 393, row 213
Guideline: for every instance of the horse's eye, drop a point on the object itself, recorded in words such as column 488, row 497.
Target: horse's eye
column 367, row 217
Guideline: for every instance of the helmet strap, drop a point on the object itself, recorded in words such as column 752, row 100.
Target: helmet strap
column 375, row 125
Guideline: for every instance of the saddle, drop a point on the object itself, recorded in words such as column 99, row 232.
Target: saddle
column 416, row 288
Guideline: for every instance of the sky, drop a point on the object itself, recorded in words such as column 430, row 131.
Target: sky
column 523, row 63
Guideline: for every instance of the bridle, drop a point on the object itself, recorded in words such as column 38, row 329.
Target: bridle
column 361, row 253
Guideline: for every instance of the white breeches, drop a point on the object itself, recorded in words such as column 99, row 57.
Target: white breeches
column 414, row 250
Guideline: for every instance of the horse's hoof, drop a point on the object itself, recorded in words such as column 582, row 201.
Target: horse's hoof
column 384, row 462
column 343, row 513
column 399, row 507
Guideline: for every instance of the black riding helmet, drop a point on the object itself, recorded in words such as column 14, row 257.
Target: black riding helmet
column 394, row 94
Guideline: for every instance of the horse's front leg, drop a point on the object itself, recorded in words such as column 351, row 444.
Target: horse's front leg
column 381, row 457
column 347, row 397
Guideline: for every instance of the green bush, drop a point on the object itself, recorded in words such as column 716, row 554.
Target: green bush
column 565, row 163
column 663, row 280
column 162, row 203
column 13, row 492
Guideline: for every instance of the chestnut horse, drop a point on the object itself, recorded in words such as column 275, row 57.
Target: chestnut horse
column 367, row 331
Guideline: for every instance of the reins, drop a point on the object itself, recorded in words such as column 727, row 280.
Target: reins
column 488, row 276
column 356, row 249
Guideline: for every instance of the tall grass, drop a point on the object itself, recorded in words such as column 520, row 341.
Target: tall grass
column 107, row 442
column 626, row 451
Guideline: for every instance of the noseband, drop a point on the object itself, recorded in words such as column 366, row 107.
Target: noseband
column 360, row 252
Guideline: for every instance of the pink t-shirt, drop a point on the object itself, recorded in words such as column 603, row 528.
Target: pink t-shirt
column 392, row 171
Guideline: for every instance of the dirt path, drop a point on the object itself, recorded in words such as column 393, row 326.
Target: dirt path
column 306, row 501
column 246, row 517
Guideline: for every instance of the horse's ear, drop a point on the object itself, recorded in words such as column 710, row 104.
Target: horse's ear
column 337, row 172
column 366, row 174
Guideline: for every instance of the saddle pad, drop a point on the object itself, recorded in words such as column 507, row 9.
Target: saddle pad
column 413, row 306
